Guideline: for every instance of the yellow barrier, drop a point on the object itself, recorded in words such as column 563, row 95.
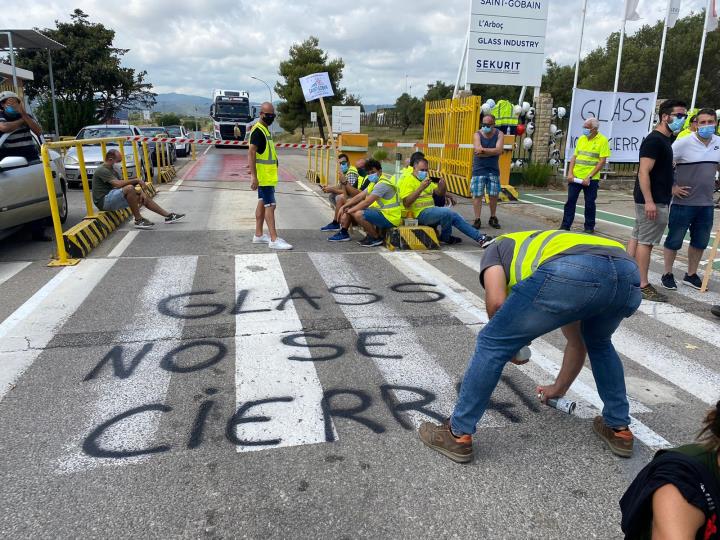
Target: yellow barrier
column 81, row 238
column 317, row 168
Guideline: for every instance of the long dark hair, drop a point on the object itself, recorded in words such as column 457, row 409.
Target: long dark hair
column 710, row 434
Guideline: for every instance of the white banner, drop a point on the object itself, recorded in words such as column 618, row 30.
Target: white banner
column 346, row 119
column 711, row 19
column 673, row 13
column 507, row 42
column 631, row 13
column 316, row 86
column 624, row 120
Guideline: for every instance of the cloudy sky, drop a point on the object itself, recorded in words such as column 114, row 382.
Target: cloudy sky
column 193, row 47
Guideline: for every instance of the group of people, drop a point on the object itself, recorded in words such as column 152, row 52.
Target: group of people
column 674, row 190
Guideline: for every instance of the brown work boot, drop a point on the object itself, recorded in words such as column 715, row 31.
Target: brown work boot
column 440, row 438
column 619, row 442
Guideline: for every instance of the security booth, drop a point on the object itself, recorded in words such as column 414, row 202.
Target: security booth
column 12, row 40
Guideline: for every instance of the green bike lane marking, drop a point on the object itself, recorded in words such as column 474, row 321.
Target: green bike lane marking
column 602, row 215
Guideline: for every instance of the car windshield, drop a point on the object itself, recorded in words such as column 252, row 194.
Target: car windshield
column 153, row 131
column 174, row 131
column 233, row 108
column 103, row 132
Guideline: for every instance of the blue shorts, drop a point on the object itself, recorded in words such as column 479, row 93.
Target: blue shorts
column 697, row 219
column 115, row 200
column 376, row 217
column 486, row 182
column 267, row 194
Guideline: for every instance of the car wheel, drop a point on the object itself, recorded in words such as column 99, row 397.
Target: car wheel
column 64, row 208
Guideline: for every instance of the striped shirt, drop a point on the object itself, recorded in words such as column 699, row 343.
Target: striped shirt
column 695, row 167
column 19, row 143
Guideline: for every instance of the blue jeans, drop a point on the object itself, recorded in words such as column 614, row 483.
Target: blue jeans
column 267, row 194
column 447, row 219
column 599, row 291
column 377, row 218
column 699, row 219
column 590, row 192
column 115, row 200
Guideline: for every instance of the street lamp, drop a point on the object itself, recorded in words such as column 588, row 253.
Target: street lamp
column 266, row 84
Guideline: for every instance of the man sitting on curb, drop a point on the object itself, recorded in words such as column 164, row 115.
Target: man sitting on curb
column 375, row 209
column 350, row 185
column 416, row 192
column 536, row 282
column 111, row 192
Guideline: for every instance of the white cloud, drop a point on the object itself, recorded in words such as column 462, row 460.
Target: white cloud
column 192, row 47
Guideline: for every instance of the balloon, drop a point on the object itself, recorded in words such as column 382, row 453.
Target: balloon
column 562, row 112
column 553, row 162
column 486, row 108
column 520, row 130
column 553, row 129
column 527, row 143
column 554, row 112
column 491, row 103
column 517, row 110
column 530, row 129
column 525, row 106
column 531, row 113
column 518, row 163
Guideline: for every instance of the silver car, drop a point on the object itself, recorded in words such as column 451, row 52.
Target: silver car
column 179, row 132
column 23, row 194
column 93, row 153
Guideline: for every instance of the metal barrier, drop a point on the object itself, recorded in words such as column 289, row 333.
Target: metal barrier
column 452, row 122
column 318, row 161
column 80, row 239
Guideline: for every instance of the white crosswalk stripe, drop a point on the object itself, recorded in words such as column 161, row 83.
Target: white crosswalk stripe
column 9, row 269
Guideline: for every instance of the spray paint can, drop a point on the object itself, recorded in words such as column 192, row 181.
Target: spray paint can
column 562, row 404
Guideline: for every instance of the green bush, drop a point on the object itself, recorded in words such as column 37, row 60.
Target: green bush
column 380, row 154
column 537, row 174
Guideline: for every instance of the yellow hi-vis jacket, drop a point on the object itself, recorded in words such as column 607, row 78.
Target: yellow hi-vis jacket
column 588, row 154
column 532, row 248
column 504, row 113
column 391, row 207
column 266, row 164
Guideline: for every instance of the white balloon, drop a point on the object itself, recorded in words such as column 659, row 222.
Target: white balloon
column 525, row 106
column 486, row 108
column 531, row 113
column 527, row 143
column 517, row 110
column 530, row 128
column 554, row 112
column 562, row 112
column 553, row 129
column 491, row 103
column 553, row 162
column 518, row 163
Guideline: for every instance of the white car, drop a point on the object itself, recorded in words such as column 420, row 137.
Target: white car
column 179, row 132
column 93, row 153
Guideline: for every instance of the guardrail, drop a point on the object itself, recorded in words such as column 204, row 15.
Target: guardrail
column 318, row 161
column 79, row 240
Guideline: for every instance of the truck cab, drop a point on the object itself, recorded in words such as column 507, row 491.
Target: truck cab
column 231, row 109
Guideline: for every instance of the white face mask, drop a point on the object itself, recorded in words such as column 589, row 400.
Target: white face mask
column 117, row 167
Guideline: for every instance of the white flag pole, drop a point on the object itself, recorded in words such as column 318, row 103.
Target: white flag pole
column 708, row 9
column 579, row 50
column 660, row 61
column 619, row 57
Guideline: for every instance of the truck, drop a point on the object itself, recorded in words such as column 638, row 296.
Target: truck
column 230, row 108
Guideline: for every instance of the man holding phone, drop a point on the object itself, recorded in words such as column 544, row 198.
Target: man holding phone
column 696, row 160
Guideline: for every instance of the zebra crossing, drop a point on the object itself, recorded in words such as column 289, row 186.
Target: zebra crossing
column 284, row 332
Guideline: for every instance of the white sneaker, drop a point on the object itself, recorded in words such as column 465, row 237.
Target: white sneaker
column 279, row 244
column 264, row 239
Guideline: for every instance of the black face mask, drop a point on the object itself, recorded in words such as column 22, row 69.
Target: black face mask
column 268, row 118
column 362, row 171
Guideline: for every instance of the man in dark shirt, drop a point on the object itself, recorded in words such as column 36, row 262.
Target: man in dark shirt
column 653, row 191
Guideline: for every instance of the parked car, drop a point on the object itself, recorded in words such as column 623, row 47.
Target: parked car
column 179, row 132
column 92, row 153
column 23, row 193
column 158, row 131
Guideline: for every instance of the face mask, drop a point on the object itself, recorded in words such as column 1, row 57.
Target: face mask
column 11, row 113
column 373, row 177
column 676, row 125
column 487, row 130
column 706, row 131
column 362, row 171
column 268, row 119
column 118, row 168
column 422, row 175
column 587, row 132
column 344, row 167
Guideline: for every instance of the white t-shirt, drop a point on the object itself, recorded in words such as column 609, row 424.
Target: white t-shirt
column 695, row 167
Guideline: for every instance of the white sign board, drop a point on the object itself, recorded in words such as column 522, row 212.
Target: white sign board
column 624, row 120
column 313, row 116
column 316, row 86
column 506, row 44
column 146, row 114
column 346, row 119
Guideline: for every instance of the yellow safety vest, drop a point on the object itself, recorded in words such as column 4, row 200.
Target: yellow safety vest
column 532, row 248
column 684, row 133
column 425, row 199
column 266, row 164
column 588, row 153
column 504, row 113
column 391, row 207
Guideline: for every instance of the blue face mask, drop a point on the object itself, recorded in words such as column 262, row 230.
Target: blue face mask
column 422, row 175
column 587, row 132
column 372, row 177
column 706, row 131
column 676, row 125
column 11, row 113
column 344, row 167
column 487, row 130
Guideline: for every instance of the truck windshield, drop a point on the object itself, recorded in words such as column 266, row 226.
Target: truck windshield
column 232, row 108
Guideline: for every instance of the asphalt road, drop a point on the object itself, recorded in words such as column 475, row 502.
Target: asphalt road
column 185, row 383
